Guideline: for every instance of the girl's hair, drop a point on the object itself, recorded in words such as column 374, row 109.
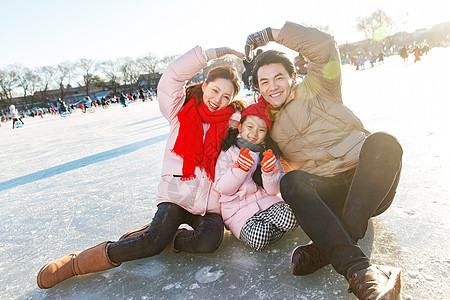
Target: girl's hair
column 232, row 133
column 230, row 140
column 224, row 72
column 271, row 57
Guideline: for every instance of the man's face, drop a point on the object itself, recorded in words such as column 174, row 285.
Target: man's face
column 274, row 83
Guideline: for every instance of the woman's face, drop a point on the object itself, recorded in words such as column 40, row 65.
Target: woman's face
column 217, row 94
column 253, row 130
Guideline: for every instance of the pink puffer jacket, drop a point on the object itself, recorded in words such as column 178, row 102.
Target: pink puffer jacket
column 196, row 195
column 240, row 196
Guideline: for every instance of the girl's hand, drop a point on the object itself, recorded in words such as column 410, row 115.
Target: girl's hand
column 268, row 164
column 245, row 161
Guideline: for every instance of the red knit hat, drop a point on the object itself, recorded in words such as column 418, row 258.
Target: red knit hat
column 259, row 109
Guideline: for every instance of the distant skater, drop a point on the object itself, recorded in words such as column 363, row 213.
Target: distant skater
column 14, row 115
column 403, row 53
column 416, row 52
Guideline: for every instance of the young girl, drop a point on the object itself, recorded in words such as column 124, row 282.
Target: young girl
column 248, row 178
column 198, row 117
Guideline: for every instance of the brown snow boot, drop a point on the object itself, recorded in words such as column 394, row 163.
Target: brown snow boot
column 88, row 261
column 376, row 283
column 135, row 232
column 307, row 259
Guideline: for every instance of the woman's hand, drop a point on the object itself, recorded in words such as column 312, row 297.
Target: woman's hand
column 214, row 53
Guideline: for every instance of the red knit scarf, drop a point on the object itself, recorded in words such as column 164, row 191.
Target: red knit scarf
column 190, row 145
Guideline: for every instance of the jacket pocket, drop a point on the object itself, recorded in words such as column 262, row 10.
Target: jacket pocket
column 342, row 147
column 181, row 192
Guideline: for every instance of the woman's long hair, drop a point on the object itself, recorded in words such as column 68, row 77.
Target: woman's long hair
column 224, row 72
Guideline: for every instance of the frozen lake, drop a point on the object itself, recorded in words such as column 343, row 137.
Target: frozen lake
column 67, row 184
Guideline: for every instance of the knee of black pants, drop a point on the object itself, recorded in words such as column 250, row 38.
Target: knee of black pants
column 212, row 235
column 210, row 241
column 382, row 142
column 205, row 238
column 293, row 184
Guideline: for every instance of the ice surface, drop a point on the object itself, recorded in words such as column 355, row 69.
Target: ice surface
column 69, row 183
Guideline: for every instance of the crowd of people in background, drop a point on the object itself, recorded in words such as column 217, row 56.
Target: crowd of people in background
column 63, row 108
column 360, row 59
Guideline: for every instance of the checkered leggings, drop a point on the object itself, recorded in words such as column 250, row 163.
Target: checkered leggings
column 268, row 226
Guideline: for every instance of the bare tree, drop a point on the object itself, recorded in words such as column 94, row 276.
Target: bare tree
column 148, row 64
column 24, row 76
column 63, row 75
column 165, row 61
column 8, row 81
column 111, row 70
column 375, row 27
column 45, row 75
column 28, row 80
column 130, row 72
column 86, row 68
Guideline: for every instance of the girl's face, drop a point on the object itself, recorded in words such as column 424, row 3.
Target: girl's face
column 217, row 94
column 253, row 130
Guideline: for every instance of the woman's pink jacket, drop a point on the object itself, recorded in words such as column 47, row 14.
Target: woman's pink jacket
column 196, row 195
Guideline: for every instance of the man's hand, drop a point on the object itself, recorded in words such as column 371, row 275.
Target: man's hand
column 255, row 40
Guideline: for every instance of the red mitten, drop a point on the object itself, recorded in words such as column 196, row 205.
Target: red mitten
column 245, row 161
column 269, row 161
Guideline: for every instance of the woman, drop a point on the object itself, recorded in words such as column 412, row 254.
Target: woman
column 198, row 117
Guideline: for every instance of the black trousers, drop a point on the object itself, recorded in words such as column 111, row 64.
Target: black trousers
column 206, row 236
column 16, row 120
column 334, row 211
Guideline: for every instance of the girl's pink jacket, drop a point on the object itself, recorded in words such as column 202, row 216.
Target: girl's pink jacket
column 196, row 195
column 240, row 196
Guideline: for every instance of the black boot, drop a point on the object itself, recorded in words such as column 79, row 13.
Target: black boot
column 307, row 259
column 376, row 283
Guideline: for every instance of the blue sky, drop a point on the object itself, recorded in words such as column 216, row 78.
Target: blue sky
column 47, row 32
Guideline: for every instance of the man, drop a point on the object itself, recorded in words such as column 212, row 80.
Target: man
column 340, row 175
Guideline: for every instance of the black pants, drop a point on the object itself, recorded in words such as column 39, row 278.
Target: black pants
column 16, row 120
column 334, row 211
column 206, row 236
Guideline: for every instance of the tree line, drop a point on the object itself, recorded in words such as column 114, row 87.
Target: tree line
column 123, row 73
column 34, row 84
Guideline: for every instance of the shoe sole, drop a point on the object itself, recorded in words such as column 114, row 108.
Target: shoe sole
column 291, row 262
column 38, row 279
column 39, row 283
column 394, row 285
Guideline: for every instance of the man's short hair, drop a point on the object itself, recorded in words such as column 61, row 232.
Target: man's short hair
column 271, row 57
